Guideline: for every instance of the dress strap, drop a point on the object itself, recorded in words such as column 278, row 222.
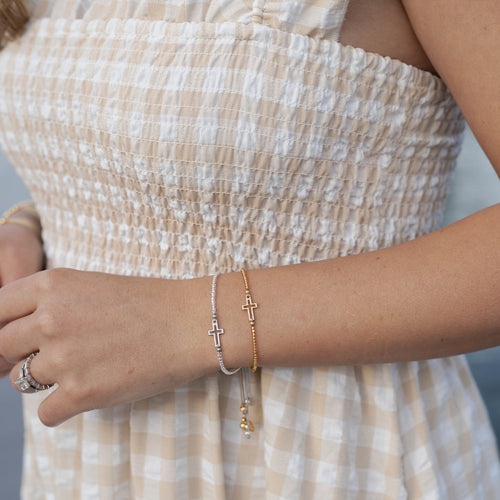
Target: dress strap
column 341, row 17
column 322, row 19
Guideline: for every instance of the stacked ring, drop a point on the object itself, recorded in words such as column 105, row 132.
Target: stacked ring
column 26, row 382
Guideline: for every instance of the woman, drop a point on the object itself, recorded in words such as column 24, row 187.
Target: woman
column 167, row 143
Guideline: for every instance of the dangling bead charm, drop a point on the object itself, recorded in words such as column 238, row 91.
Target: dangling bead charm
column 246, row 424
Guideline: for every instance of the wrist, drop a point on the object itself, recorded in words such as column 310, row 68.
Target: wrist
column 195, row 315
column 28, row 221
column 192, row 319
column 23, row 214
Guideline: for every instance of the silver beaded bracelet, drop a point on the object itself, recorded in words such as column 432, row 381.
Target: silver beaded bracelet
column 216, row 332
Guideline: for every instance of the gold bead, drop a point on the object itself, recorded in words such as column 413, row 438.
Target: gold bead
column 243, row 409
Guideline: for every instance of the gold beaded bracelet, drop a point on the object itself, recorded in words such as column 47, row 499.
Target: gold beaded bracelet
column 28, row 206
column 249, row 306
column 9, row 217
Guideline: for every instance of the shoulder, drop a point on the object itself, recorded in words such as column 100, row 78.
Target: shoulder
column 382, row 26
column 461, row 39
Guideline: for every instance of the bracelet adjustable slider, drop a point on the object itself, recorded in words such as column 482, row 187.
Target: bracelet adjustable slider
column 246, row 425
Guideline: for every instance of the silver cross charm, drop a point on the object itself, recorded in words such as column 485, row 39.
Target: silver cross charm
column 216, row 332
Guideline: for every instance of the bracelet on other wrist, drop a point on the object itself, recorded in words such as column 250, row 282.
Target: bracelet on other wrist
column 14, row 216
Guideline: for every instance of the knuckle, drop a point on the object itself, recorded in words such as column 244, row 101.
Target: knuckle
column 47, row 322
column 44, row 281
column 51, row 279
column 56, row 363
column 77, row 393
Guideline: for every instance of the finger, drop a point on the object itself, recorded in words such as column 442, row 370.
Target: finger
column 37, row 370
column 17, row 299
column 18, row 339
column 62, row 402
column 5, row 367
column 58, row 407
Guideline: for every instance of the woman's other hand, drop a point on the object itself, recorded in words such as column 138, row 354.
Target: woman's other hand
column 21, row 254
column 103, row 339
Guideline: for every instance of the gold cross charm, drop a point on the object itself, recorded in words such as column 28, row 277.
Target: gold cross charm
column 249, row 307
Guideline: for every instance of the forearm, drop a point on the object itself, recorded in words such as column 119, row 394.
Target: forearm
column 435, row 296
column 133, row 338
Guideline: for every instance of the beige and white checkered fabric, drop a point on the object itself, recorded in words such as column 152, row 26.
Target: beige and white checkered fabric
column 177, row 139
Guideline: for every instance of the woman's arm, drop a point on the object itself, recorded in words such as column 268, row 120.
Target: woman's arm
column 109, row 339
column 435, row 296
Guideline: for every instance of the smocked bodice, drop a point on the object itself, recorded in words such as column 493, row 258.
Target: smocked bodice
column 178, row 149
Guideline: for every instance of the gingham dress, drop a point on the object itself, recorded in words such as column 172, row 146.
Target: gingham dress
column 179, row 139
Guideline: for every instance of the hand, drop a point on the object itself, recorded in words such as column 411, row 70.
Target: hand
column 21, row 254
column 103, row 339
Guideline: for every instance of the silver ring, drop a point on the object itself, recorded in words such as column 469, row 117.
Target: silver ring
column 26, row 382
